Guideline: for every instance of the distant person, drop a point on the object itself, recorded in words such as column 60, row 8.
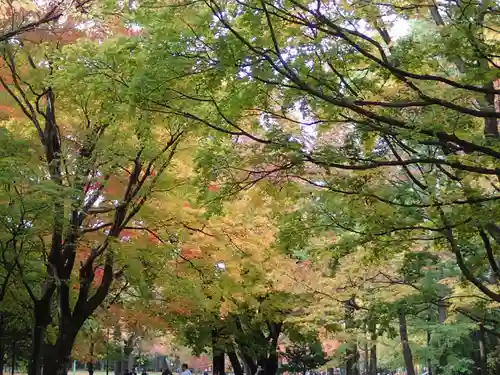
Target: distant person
column 166, row 371
column 205, row 372
column 185, row 369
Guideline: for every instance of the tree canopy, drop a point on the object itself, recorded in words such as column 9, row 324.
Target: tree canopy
column 248, row 175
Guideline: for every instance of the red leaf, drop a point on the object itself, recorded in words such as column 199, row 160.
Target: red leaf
column 98, row 274
column 213, row 188
column 153, row 238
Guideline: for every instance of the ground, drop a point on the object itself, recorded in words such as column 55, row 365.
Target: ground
column 80, row 372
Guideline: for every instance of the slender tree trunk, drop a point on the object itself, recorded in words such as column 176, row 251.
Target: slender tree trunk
column 218, row 354
column 496, row 340
column 352, row 358
column 429, row 362
column 442, row 311
column 373, row 348
column 366, row 352
column 476, row 367
column 405, row 345
column 235, row 363
column 351, row 355
column 482, row 352
column 117, row 335
column 2, row 356
column 90, row 364
column 43, row 317
column 248, row 364
column 127, row 353
column 118, row 365
column 13, row 359
column 2, row 343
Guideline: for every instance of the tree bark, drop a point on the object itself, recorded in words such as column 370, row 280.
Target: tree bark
column 56, row 360
column 218, row 359
column 35, row 365
column 90, row 364
column 13, row 359
column 405, row 345
column 249, row 363
column 429, row 362
column 496, row 340
column 482, row 352
column 442, row 311
column 271, row 364
column 366, row 357
column 2, row 343
column 218, row 363
column 373, row 347
column 351, row 355
column 235, row 363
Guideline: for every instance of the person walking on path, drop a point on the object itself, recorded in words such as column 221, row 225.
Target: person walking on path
column 185, row 369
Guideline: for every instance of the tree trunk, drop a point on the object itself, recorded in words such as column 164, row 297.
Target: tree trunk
column 117, row 335
column 496, row 340
column 2, row 343
column 235, row 362
column 90, row 364
column 482, row 352
column 56, row 360
column 442, row 311
column 218, row 359
column 43, row 318
column 373, row 352
column 271, row 364
column 249, row 364
column 118, row 367
column 366, row 352
column 351, row 355
column 13, row 359
column 405, row 345
column 218, row 363
column 127, row 354
column 429, row 362
column 35, row 365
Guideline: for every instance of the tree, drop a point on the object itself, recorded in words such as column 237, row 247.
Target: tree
column 21, row 17
column 324, row 95
column 92, row 192
column 382, row 151
column 370, row 109
column 304, row 355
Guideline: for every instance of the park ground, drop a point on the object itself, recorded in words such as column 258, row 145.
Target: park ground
column 83, row 372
